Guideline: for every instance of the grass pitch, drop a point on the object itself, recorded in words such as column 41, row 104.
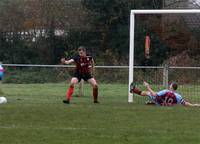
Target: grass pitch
column 35, row 114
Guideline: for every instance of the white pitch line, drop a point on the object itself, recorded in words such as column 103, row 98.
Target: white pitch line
column 55, row 128
column 48, row 128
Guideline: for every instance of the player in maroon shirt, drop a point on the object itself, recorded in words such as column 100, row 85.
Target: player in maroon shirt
column 83, row 70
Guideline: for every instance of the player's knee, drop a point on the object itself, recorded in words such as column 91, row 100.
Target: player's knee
column 73, row 81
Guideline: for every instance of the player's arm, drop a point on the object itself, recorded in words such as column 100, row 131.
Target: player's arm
column 148, row 87
column 190, row 104
column 64, row 61
column 183, row 102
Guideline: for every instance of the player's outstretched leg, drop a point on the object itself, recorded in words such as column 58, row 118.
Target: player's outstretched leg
column 70, row 91
column 69, row 94
column 133, row 89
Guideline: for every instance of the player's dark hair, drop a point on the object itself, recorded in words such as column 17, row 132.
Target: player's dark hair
column 174, row 85
column 82, row 48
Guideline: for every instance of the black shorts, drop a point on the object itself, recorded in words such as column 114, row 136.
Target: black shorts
column 85, row 76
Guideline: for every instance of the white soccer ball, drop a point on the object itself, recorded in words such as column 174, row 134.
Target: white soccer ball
column 3, row 100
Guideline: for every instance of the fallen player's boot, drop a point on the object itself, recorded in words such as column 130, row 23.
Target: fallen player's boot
column 132, row 87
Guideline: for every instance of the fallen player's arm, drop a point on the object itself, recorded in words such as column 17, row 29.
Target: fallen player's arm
column 190, row 104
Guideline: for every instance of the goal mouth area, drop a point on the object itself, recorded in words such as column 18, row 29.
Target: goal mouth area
column 133, row 13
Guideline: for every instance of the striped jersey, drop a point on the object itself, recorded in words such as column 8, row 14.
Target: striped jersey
column 83, row 64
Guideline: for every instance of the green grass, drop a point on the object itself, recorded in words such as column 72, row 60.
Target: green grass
column 35, row 114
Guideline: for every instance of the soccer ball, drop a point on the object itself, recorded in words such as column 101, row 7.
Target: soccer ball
column 3, row 100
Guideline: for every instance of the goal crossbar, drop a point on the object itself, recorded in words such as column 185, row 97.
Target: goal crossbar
column 132, row 30
column 166, row 11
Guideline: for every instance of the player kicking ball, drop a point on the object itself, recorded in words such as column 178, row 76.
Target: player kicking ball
column 82, row 71
column 166, row 97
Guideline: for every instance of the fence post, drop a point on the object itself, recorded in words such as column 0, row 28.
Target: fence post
column 165, row 75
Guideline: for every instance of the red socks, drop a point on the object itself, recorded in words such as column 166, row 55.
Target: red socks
column 71, row 90
column 69, row 93
column 137, row 91
column 95, row 93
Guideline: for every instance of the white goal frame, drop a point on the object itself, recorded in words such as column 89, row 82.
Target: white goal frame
column 132, row 35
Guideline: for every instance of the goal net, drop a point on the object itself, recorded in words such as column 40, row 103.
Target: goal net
column 178, row 30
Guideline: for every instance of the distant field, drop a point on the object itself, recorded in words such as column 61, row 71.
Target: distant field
column 35, row 114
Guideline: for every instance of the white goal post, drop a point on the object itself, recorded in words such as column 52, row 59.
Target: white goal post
column 132, row 33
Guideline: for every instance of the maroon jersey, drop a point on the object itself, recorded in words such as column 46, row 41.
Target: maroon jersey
column 167, row 98
column 83, row 64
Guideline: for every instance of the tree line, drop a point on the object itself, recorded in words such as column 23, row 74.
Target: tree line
column 43, row 31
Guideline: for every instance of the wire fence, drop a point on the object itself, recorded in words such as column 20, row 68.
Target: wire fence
column 188, row 78
column 160, row 75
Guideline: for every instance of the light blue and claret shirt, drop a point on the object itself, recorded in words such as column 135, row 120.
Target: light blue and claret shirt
column 167, row 98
